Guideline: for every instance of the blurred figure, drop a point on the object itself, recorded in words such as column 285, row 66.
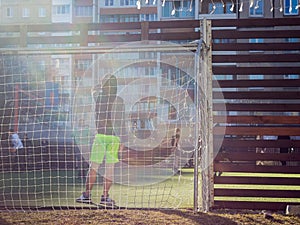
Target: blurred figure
column 177, row 152
column 16, row 150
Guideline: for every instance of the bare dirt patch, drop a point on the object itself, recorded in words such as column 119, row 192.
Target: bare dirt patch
column 140, row 217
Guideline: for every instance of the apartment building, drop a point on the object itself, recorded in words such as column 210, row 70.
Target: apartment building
column 113, row 11
column 25, row 12
column 268, row 8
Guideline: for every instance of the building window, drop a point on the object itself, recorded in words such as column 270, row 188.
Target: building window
column 127, row 2
column 257, row 9
column 290, row 7
column 42, row 12
column 9, row 12
column 61, row 9
column 109, row 2
column 179, row 9
column 83, row 64
column 84, row 11
column 119, row 18
column 25, row 12
column 221, row 8
column 148, row 17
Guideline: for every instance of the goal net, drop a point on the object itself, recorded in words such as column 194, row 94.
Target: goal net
column 61, row 106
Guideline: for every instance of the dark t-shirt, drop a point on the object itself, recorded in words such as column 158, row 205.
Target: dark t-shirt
column 110, row 117
column 109, row 109
column 174, row 137
column 104, row 123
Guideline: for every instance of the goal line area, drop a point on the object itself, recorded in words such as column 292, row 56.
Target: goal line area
column 120, row 126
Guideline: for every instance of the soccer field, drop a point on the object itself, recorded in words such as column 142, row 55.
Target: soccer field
column 60, row 188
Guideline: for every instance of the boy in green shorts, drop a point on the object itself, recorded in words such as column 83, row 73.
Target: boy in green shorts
column 106, row 144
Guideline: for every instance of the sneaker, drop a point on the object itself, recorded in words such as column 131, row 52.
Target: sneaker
column 84, row 199
column 107, row 201
column 176, row 171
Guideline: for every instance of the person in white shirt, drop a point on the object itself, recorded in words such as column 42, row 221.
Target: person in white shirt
column 16, row 149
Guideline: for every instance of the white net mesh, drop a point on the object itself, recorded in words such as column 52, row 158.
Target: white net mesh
column 142, row 93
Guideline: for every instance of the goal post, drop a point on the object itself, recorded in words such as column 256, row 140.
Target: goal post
column 206, row 145
column 204, row 154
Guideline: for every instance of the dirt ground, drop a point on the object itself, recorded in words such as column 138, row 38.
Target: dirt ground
column 140, row 217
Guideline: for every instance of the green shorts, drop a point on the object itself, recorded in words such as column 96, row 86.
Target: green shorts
column 105, row 146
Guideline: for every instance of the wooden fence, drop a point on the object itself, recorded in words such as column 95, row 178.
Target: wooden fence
column 256, row 63
column 93, row 35
column 256, row 67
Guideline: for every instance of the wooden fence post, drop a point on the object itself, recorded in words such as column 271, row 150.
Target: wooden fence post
column 144, row 30
column 84, row 34
column 23, row 36
column 206, row 134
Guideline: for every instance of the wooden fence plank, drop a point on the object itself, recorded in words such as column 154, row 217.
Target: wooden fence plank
column 253, row 156
column 174, row 36
column 257, row 58
column 246, row 107
column 254, row 180
column 275, row 95
column 235, row 70
column 256, row 83
column 53, row 39
column 253, row 205
column 114, row 38
column 238, row 34
column 177, row 24
column 8, row 41
column 265, row 193
column 256, row 46
column 247, row 130
column 128, row 26
column 257, row 119
column 252, row 168
column 54, row 27
column 261, row 22
column 236, row 143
